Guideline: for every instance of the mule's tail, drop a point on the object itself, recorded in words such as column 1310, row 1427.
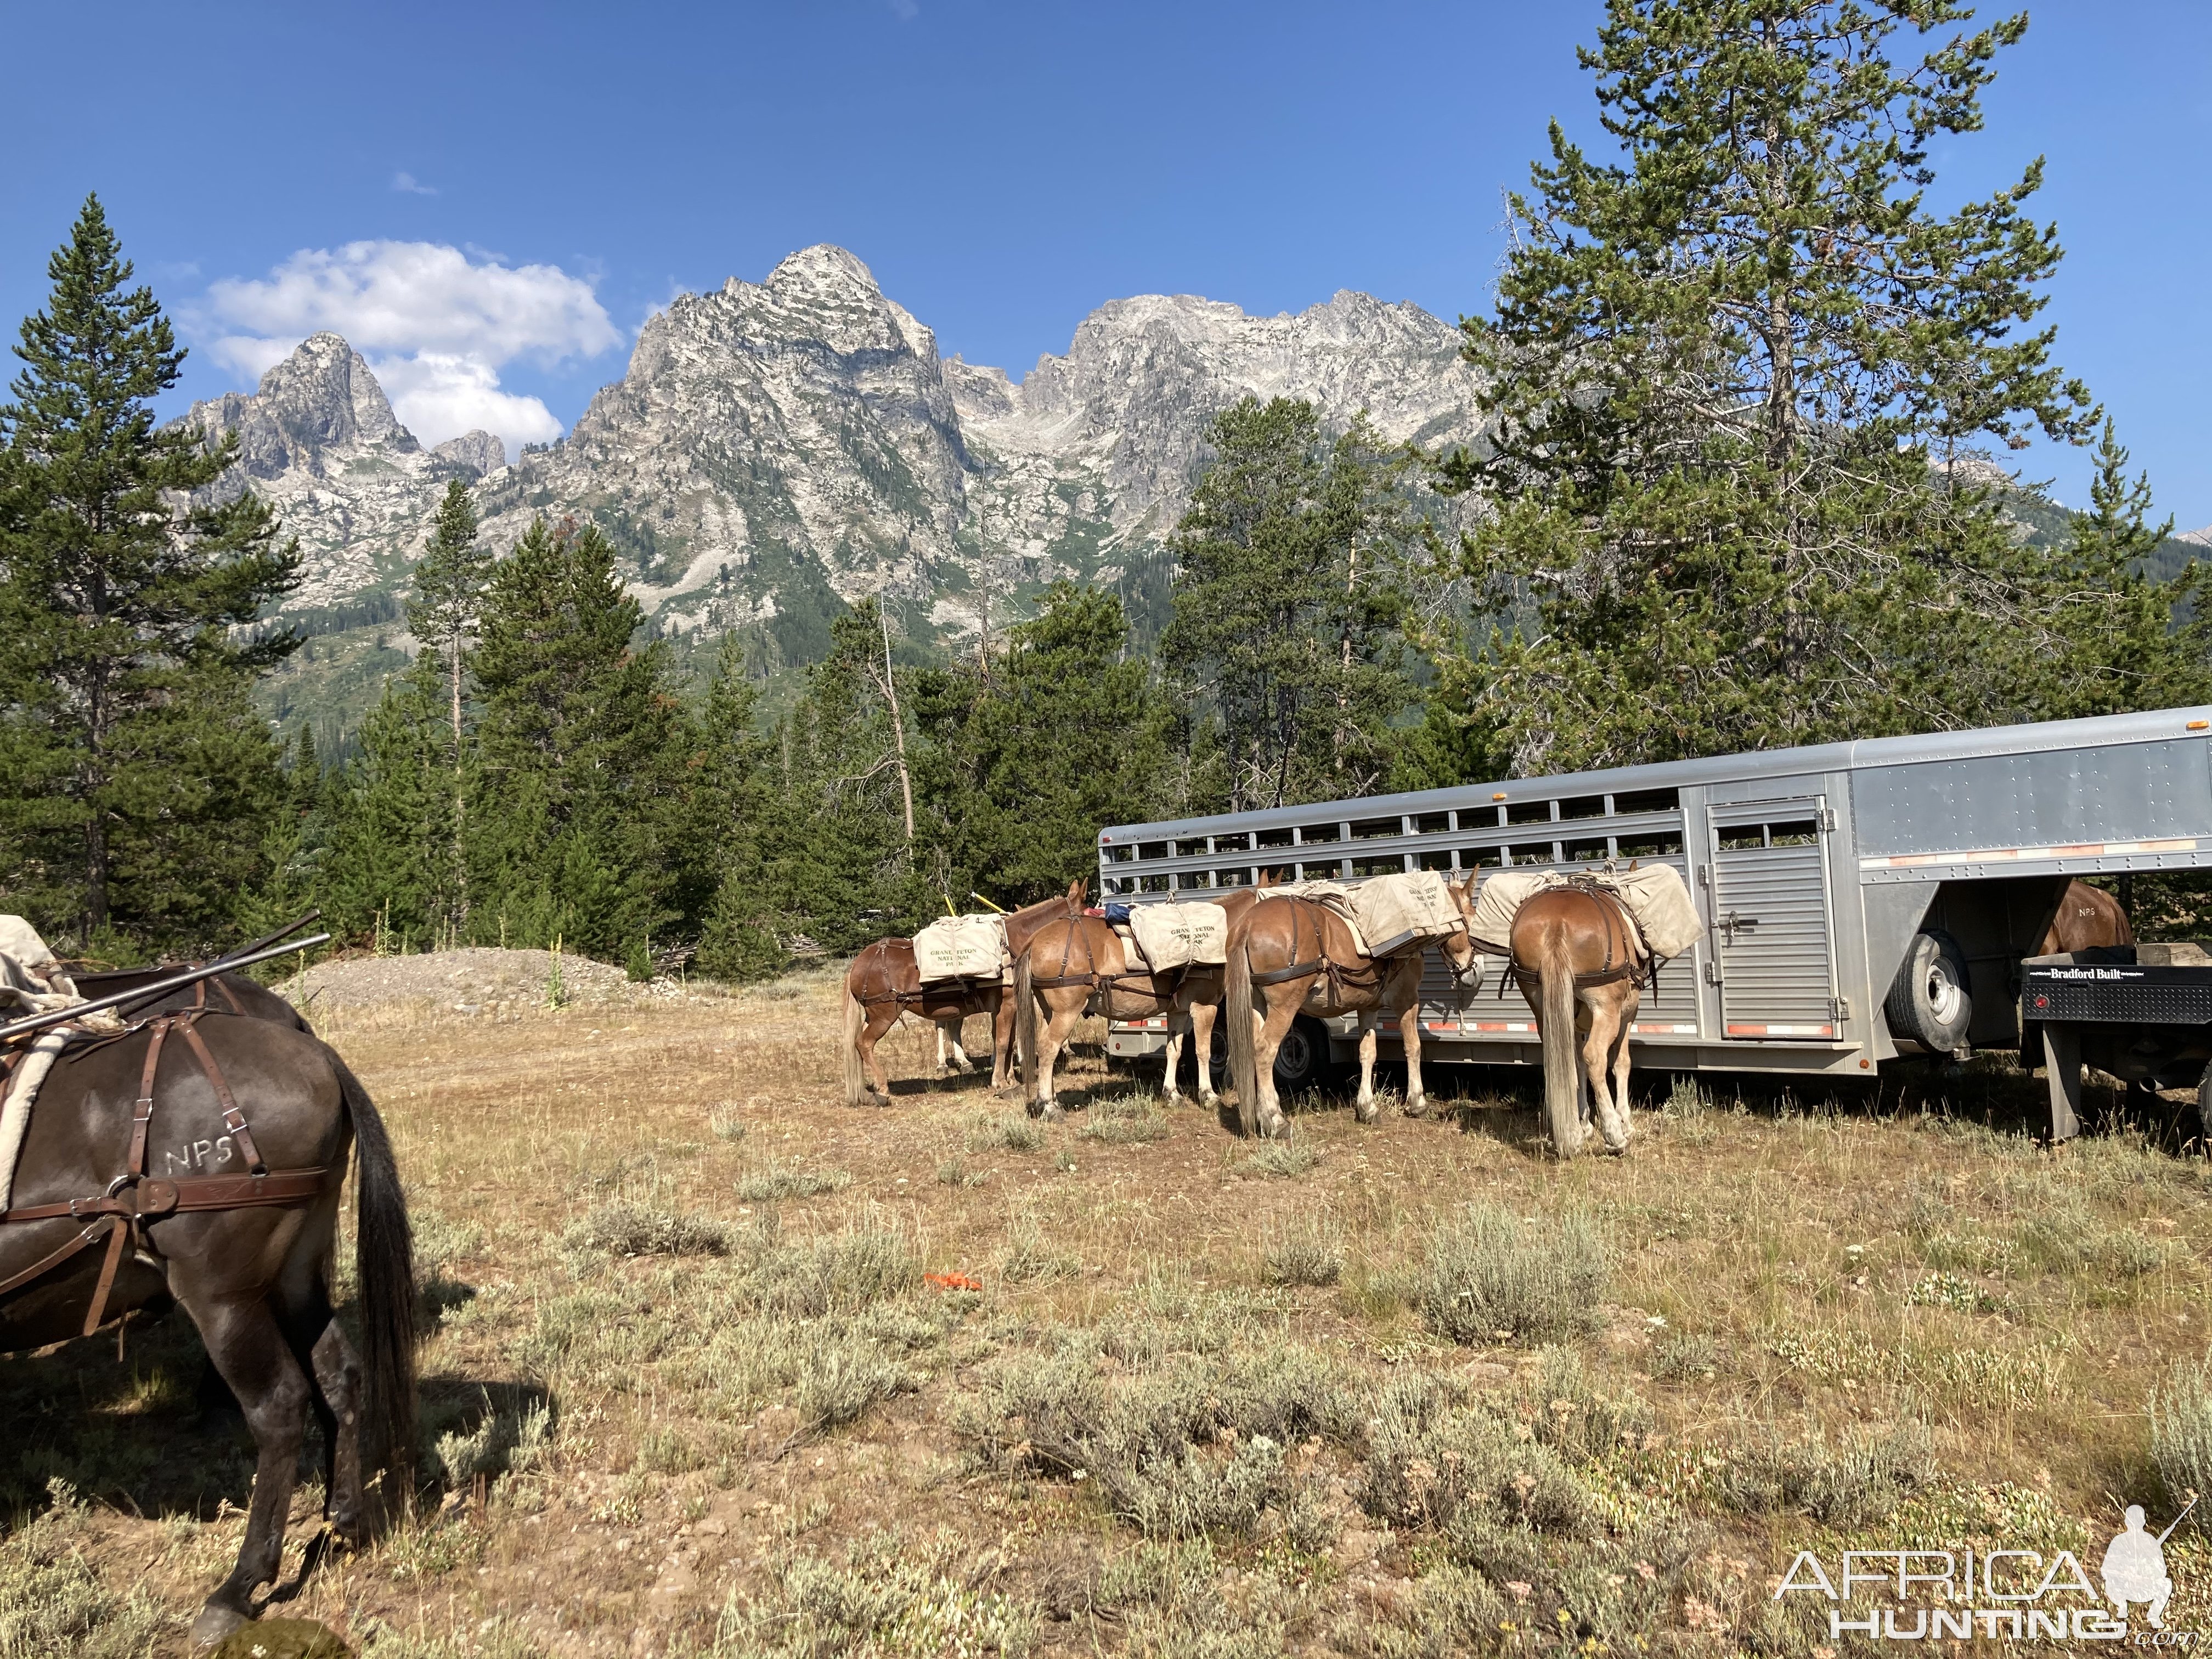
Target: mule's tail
column 383, row 1261
column 1237, row 1033
column 856, row 1020
column 1555, row 976
column 1026, row 1023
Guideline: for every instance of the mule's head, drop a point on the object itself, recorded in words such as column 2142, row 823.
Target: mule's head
column 1460, row 954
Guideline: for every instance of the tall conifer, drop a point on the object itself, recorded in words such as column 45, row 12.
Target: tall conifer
column 133, row 772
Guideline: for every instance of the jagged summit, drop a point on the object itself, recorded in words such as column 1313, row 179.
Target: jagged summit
column 319, row 438
column 777, row 449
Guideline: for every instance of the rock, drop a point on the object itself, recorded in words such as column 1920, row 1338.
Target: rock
column 477, row 451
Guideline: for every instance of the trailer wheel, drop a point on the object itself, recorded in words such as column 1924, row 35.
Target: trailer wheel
column 1930, row 1003
column 1302, row 1057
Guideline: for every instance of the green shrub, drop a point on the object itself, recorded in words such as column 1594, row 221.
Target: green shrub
column 1126, row 1120
column 1013, row 1132
column 1283, row 1158
column 2181, row 1432
column 1488, row 1276
column 1304, row 1252
column 51, row 1602
column 631, row 1229
column 773, row 1181
column 1864, row 1478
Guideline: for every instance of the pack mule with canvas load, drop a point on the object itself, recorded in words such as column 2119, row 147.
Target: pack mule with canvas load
column 1288, row 956
column 197, row 1159
column 1082, row 962
column 1583, row 947
column 885, row 983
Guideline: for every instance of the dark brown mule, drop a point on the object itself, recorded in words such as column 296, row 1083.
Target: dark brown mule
column 883, row 984
column 1075, row 962
column 134, row 1207
column 2087, row 917
column 1574, row 958
column 1289, row 955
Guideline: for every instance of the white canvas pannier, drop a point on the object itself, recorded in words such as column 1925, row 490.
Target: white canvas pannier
column 961, row 947
column 1172, row 935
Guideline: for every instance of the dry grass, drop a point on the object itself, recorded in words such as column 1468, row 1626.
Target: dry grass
column 709, row 1375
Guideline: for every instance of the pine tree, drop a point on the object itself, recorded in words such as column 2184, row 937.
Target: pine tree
column 583, row 749
column 387, row 877
column 1034, row 748
column 734, row 812
column 2110, row 644
column 443, row 613
column 1289, row 604
column 1732, row 382
column 132, row 770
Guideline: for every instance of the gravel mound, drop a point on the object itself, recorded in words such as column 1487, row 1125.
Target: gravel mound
column 476, row 979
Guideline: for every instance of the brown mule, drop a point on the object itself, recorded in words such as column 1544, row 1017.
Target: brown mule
column 2087, row 917
column 1289, row 955
column 1575, row 959
column 883, row 984
column 1071, row 960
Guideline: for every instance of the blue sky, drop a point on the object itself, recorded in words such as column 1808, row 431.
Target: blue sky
column 1003, row 168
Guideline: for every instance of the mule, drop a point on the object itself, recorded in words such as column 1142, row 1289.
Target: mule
column 1074, row 962
column 1291, row 955
column 1576, row 958
column 883, row 984
column 2087, row 917
column 214, row 1148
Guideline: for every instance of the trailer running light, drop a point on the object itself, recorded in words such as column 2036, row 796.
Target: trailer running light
column 2198, row 726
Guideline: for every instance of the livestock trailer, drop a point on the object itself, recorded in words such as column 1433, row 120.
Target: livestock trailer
column 1861, row 900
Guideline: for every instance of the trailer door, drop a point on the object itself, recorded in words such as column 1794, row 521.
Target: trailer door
column 1770, row 926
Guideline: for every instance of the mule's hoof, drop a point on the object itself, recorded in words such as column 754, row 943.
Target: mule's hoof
column 1209, row 1100
column 1275, row 1127
column 1417, row 1106
column 1366, row 1110
column 216, row 1621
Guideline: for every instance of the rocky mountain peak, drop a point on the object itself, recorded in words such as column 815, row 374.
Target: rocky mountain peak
column 479, row 451
column 324, row 394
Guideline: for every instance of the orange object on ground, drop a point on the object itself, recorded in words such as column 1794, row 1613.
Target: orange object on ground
column 952, row 1281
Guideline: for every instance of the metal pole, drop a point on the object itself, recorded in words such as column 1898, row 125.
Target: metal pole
column 157, row 989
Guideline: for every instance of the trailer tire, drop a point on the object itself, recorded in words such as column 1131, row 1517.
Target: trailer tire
column 1303, row 1058
column 1929, row 1002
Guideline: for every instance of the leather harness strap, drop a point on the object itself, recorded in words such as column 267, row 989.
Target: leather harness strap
column 1339, row 975
column 133, row 1200
column 1617, row 924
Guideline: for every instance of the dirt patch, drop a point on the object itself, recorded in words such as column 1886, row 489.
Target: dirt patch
column 477, row 979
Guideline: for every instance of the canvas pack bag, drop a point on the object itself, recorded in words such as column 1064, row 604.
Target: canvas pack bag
column 1655, row 897
column 1412, row 909
column 1499, row 899
column 1172, row 935
column 961, row 947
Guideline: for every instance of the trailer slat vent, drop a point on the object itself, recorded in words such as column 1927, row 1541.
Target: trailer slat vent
column 1584, row 806
column 1481, row 858
column 1191, row 849
column 1239, row 843
column 1152, row 849
column 1274, row 838
column 1530, row 812
column 1648, row 800
column 1586, row 852
column 1666, row 844
column 1432, row 823
column 1380, row 865
column 1310, row 833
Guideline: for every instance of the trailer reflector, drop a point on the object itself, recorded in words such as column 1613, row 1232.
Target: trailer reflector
column 1782, row 1030
column 1981, row 855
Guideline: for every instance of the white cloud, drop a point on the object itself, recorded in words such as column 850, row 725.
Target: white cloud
column 436, row 327
column 438, row 396
column 406, row 185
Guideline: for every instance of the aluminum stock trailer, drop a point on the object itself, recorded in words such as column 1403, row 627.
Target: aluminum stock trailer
column 1861, row 900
